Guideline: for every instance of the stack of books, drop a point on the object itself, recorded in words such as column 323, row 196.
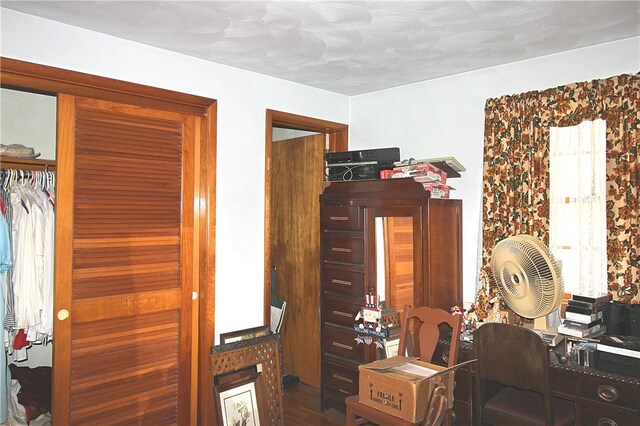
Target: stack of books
column 619, row 354
column 584, row 316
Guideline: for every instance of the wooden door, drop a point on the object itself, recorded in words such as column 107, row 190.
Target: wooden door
column 124, row 265
column 295, row 210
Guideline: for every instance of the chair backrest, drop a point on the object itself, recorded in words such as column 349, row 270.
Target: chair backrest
column 513, row 356
column 437, row 407
column 428, row 331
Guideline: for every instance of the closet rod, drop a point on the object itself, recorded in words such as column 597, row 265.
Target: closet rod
column 24, row 173
column 27, row 164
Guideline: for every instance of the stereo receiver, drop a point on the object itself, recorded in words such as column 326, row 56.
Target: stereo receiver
column 362, row 164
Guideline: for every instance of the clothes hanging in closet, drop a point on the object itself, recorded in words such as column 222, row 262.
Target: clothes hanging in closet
column 28, row 208
column 5, row 267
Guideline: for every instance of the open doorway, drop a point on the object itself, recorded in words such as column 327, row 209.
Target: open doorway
column 293, row 183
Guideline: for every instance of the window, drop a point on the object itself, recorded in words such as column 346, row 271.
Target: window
column 578, row 233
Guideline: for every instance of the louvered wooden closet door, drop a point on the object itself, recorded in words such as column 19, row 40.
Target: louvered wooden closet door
column 124, row 253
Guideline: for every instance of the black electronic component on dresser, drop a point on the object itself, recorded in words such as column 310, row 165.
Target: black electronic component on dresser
column 374, row 156
column 362, row 164
column 356, row 171
column 350, row 213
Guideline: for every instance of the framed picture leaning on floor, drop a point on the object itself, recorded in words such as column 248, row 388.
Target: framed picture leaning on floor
column 247, row 382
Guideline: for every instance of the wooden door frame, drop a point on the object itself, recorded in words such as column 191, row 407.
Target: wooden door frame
column 338, row 141
column 38, row 78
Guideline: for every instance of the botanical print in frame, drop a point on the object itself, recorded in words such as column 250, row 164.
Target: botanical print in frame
column 239, row 405
column 258, row 360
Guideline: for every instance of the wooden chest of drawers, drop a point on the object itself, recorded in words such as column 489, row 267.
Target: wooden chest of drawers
column 343, row 288
column 350, row 213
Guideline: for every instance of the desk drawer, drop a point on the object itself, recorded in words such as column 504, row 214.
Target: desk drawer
column 336, row 280
column 563, row 383
column 600, row 414
column 463, row 385
column 342, row 218
column 343, row 248
column 609, row 392
column 340, row 311
column 461, row 413
column 341, row 342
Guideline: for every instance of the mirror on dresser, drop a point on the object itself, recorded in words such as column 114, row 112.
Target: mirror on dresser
column 395, row 273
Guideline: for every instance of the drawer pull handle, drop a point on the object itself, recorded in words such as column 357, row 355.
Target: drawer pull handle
column 454, row 416
column 344, row 379
column 606, row 422
column 445, row 357
column 344, row 391
column 608, row 393
column 341, row 249
column 338, row 217
column 342, row 314
column 342, row 345
column 342, row 282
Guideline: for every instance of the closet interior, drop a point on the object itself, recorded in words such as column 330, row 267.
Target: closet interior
column 27, row 203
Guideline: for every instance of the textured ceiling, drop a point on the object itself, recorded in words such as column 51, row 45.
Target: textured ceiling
column 353, row 47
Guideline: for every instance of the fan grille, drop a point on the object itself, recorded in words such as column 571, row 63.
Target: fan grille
column 528, row 277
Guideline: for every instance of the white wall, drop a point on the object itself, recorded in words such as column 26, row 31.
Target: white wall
column 436, row 118
column 445, row 117
column 29, row 119
column 243, row 98
column 280, row 134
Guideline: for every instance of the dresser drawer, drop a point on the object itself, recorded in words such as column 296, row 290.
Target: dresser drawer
column 341, row 380
column 343, row 248
column 340, row 311
column 609, row 392
column 336, row 280
column 341, row 342
column 562, row 383
column 341, row 218
column 600, row 414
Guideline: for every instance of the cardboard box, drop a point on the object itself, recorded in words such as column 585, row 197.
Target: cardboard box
column 402, row 386
column 437, row 190
column 426, row 172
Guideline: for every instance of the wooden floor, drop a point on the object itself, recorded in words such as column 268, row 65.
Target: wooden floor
column 302, row 407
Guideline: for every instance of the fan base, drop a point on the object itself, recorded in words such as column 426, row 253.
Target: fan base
column 551, row 339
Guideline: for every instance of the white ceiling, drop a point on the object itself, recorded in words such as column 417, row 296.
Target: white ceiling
column 353, row 47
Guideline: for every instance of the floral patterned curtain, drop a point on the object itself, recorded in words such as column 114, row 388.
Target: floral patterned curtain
column 516, row 168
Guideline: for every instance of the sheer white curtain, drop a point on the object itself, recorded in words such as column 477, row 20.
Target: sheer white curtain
column 577, row 234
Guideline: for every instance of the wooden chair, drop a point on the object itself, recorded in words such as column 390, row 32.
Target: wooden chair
column 511, row 379
column 426, row 324
column 427, row 334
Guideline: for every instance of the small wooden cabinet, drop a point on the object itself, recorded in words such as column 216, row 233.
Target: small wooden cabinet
column 389, row 238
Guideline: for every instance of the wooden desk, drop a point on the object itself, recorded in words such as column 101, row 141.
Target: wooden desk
column 601, row 398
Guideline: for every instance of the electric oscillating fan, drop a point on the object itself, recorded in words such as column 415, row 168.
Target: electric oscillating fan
column 530, row 281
